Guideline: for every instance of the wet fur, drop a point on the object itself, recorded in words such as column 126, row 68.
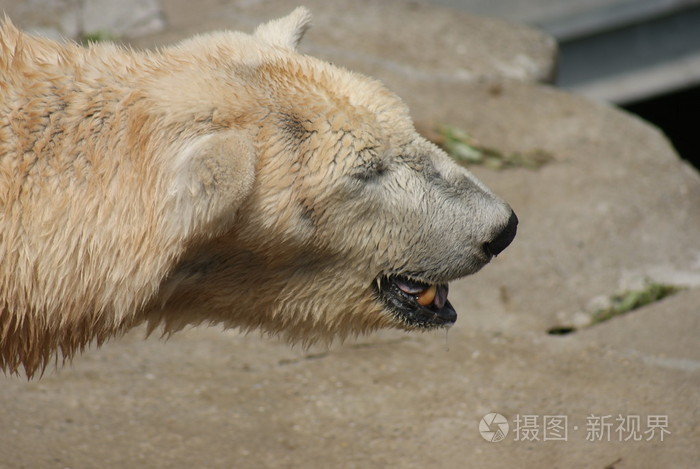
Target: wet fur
column 227, row 179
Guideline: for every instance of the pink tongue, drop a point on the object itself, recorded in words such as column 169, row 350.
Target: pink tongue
column 410, row 289
column 441, row 296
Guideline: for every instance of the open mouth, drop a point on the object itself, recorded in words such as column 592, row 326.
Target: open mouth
column 417, row 304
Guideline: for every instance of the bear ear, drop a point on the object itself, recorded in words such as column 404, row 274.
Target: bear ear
column 213, row 176
column 287, row 31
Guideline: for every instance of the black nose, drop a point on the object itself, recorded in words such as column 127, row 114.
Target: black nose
column 503, row 239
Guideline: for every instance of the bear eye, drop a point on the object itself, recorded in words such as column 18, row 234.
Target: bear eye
column 370, row 170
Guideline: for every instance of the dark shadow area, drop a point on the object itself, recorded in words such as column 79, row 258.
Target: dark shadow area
column 678, row 115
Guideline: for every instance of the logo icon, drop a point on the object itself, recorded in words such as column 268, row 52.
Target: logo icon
column 493, row 427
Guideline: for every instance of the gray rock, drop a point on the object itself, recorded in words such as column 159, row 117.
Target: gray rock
column 616, row 201
column 125, row 18
column 75, row 19
column 55, row 19
column 391, row 37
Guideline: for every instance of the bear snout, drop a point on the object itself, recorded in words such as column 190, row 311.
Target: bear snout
column 503, row 239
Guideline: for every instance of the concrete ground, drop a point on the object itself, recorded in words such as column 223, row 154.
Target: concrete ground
column 615, row 206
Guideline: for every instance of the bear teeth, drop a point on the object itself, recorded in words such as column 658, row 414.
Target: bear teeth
column 427, row 296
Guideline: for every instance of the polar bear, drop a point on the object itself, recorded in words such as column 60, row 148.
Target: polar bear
column 228, row 179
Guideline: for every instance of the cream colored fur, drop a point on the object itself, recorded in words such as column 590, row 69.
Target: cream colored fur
column 227, row 179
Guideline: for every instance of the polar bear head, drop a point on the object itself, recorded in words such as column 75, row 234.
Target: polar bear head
column 351, row 221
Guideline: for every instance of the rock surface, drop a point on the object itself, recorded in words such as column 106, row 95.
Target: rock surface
column 615, row 205
column 76, row 19
column 388, row 38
